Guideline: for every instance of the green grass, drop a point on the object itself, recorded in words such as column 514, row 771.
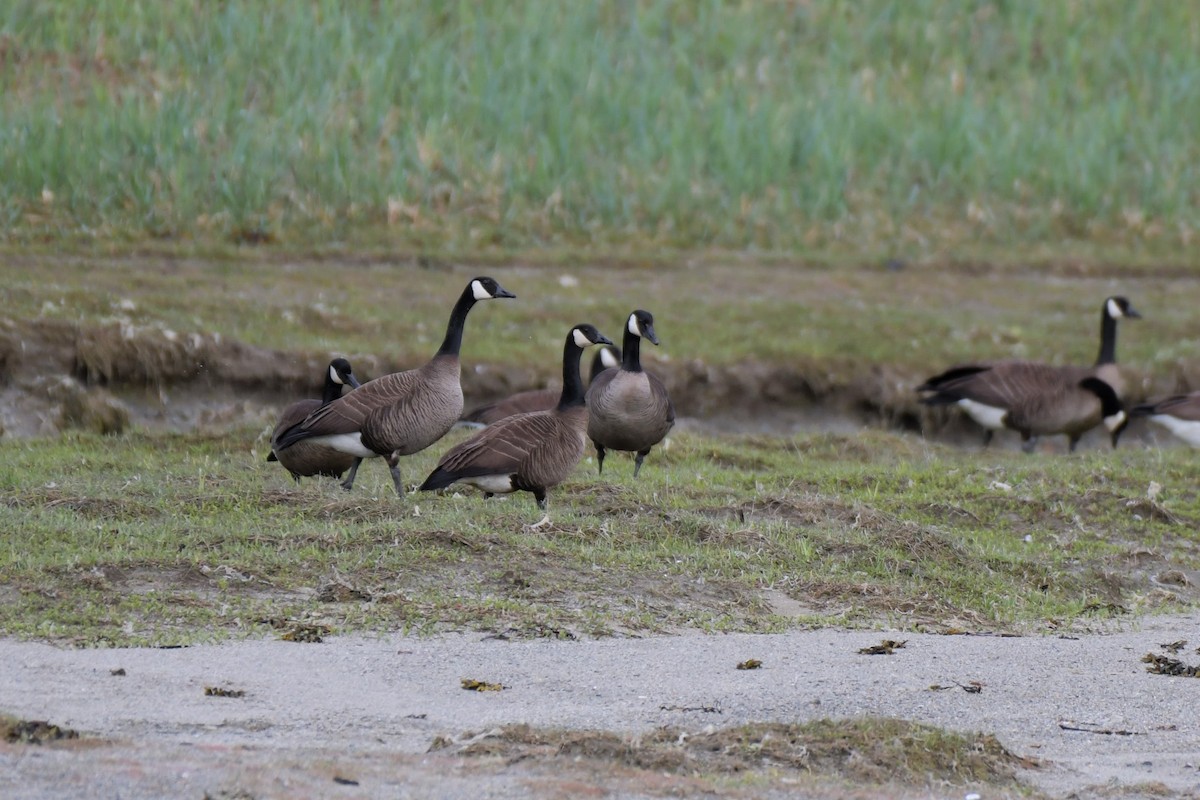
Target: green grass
column 872, row 127
column 174, row 538
column 861, row 331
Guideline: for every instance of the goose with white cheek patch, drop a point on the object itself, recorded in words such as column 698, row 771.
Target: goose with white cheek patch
column 987, row 392
column 628, row 408
column 535, row 399
column 402, row 413
column 530, row 452
column 306, row 459
column 1179, row 414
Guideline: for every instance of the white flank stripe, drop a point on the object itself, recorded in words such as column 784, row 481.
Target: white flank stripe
column 1188, row 430
column 987, row 416
column 349, row 443
column 496, row 484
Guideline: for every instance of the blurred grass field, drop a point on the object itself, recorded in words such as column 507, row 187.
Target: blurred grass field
column 861, row 128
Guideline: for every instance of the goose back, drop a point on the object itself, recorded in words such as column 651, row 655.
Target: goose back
column 523, row 452
column 530, row 452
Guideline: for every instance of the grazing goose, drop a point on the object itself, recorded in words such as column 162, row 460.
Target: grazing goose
column 970, row 385
column 628, row 408
column 1179, row 414
column 536, row 399
column 401, row 413
column 1040, row 400
column 309, row 458
column 529, row 452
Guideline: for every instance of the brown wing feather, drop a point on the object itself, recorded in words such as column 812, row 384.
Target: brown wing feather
column 346, row 414
column 503, row 447
column 1009, row 384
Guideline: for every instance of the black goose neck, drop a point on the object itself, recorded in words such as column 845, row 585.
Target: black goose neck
column 631, row 351
column 572, row 391
column 1108, row 338
column 333, row 389
column 452, row 344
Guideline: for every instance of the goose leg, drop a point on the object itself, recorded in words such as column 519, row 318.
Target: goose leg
column 987, row 437
column 349, row 482
column 393, row 462
column 540, row 496
column 1074, row 440
column 637, row 462
column 599, row 458
column 1028, row 442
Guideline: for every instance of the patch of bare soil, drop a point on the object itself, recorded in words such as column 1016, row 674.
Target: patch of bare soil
column 387, row 716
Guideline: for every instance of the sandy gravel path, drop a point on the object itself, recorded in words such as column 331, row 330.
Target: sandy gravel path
column 315, row 716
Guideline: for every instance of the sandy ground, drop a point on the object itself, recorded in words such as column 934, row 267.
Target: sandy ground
column 316, row 717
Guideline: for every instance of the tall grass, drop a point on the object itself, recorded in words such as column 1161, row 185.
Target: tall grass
column 476, row 124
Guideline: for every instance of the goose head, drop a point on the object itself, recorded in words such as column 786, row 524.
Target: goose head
column 341, row 373
column 641, row 323
column 585, row 335
column 488, row 289
column 1117, row 307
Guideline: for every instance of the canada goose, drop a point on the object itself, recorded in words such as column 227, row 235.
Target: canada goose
column 1039, row 400
column 628, row 408
column 309, row 458
column 536, row 399
column 959, row 384
column 401, row 413
column 529, row 452
column 1179, row 414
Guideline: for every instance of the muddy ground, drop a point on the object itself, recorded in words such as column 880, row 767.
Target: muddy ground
column 1073, row 715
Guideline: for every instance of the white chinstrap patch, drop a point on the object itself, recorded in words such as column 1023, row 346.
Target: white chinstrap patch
column 333, row 376
column 609, row 359
column 1186, row 429
column 1114, row 310
column 633, row 325
column 985, row 415
column 349, row 443
column 581, row 338
column 479, row 292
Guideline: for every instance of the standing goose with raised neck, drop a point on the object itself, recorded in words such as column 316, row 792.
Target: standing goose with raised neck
column 401, row 413
column 628, row 408
column 988, row 391
column 530, row 452
column 306, row 459
column 536, row 399
column 1180, row 414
